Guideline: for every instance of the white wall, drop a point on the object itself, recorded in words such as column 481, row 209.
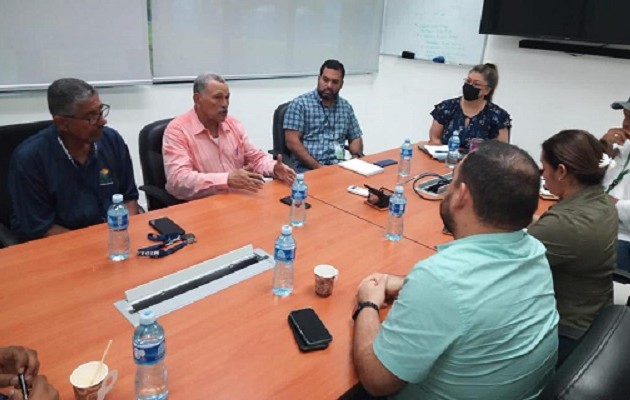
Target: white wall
column 544, row 91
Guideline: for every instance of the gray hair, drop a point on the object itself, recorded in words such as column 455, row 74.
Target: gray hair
column 490, row 73
column 202, row 80
column 65, row 94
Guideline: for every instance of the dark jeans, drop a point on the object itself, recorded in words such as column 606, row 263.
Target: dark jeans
column 623, row 255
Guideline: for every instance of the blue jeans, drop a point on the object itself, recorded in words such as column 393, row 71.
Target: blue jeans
column 623, row 255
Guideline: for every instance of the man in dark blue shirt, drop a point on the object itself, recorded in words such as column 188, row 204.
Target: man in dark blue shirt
column 64, row 177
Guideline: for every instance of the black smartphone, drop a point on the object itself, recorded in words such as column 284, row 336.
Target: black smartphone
column 166, row 226
column 287, row 200
column 309, row 331
column 385, row 163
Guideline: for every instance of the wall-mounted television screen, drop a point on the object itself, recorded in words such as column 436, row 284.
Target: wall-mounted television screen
column 597, row 21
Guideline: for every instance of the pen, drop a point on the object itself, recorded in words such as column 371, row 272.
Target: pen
column 23, row 386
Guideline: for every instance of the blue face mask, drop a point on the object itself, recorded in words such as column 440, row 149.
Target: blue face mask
column 470, row 92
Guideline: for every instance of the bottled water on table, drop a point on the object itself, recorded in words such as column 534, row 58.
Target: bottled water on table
column 299, row 193
column 149, row 350
column 452, row 157
column 118, row 222
column 406, row 151
column 397, row 206
column 284, row 255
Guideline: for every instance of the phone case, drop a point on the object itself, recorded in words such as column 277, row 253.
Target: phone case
column 166, row 226
column 385, row 163
column 301, row 341
column 287, row 200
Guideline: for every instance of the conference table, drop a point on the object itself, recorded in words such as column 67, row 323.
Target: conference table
column 58, row 297
column 58, row 292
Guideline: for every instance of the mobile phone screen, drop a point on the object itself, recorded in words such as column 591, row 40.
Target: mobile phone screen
column 385, row 163
column 309, row 326
column 166, row 226
column 287, row 200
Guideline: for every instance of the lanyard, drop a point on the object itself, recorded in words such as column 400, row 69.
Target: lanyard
column 160, row 250
column 624, row 172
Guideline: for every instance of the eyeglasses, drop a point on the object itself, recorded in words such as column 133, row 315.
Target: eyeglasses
column 477, row 84
column 103, row 112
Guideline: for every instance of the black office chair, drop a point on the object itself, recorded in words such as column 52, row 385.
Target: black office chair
column 10, row 137
column 152, row 162
column 599, row 366
column 279, row 144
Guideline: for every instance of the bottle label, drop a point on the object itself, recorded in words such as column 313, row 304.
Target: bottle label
column 284, row 255
column 406, row 152
column 298, row 194
column 453, row 144
column 397, row 209
column 146, row 355
column 118, row 222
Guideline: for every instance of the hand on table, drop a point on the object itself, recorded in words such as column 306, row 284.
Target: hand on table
column 243, row 179
column 17, row 360
column 373, row 288
column 40, row 390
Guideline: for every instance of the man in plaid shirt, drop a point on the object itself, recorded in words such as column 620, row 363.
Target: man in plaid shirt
column 318, row 123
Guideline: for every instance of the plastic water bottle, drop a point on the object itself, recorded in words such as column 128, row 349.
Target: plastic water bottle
column 299, row 192
column 118, row 221
column 452, row 157
column 284, row 254
column 397, row 205
column 406, row 151
column 149, row 349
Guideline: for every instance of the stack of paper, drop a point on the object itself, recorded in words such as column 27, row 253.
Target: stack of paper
column 361, row 167
column 436, row 151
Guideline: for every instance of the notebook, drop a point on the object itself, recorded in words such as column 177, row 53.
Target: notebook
column 361, row 167
column 436, row 151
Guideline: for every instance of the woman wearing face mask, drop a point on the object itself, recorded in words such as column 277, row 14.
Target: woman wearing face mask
column 474, row 114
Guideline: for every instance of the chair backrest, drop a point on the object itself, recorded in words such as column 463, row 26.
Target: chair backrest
column 151, row 160
column 279, row 144
column 10, row 137
column 599, row 365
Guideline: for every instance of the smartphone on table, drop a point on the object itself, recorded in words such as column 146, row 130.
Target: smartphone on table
column 166, row 226
column 309, row 331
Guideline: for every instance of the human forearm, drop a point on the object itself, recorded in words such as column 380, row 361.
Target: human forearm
column 302, row 155
column 356, row 147
column 189, row 185
column 132, row 206
column 374, row 377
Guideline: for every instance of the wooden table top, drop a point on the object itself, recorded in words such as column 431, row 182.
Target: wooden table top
column 58, row 297
column 422, row 217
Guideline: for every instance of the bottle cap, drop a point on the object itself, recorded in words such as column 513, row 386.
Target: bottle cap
column 299, row 177
column 399, row 189
column 286, row 229
column 147, row 317
column 117, row 198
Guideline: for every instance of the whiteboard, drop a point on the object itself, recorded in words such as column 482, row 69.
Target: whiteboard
column 263, row 38
column 102, row 42
column 432, row 28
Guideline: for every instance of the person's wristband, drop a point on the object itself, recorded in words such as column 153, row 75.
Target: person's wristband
column 361, row 306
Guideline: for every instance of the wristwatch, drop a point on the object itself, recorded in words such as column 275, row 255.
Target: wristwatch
column 361, row 306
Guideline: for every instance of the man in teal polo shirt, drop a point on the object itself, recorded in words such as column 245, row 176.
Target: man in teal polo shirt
column 478, row 319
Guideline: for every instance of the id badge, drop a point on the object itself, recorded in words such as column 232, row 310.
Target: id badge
column 340, row 152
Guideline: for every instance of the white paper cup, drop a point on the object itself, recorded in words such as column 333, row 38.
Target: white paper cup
column 325, row 276
column 81, row 378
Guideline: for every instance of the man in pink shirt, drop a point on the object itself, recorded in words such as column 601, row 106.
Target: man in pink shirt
column 206, row 151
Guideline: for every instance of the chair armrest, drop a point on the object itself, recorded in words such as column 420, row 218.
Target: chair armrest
column 161, row 195
column 621, row 276
column 7, row 238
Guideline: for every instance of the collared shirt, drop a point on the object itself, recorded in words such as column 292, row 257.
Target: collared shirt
column 196, row 166
column 485, row 125
column 477, row 320
column 322, row 127
column 47, row 187
column 622, row 190
column 580, row 234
